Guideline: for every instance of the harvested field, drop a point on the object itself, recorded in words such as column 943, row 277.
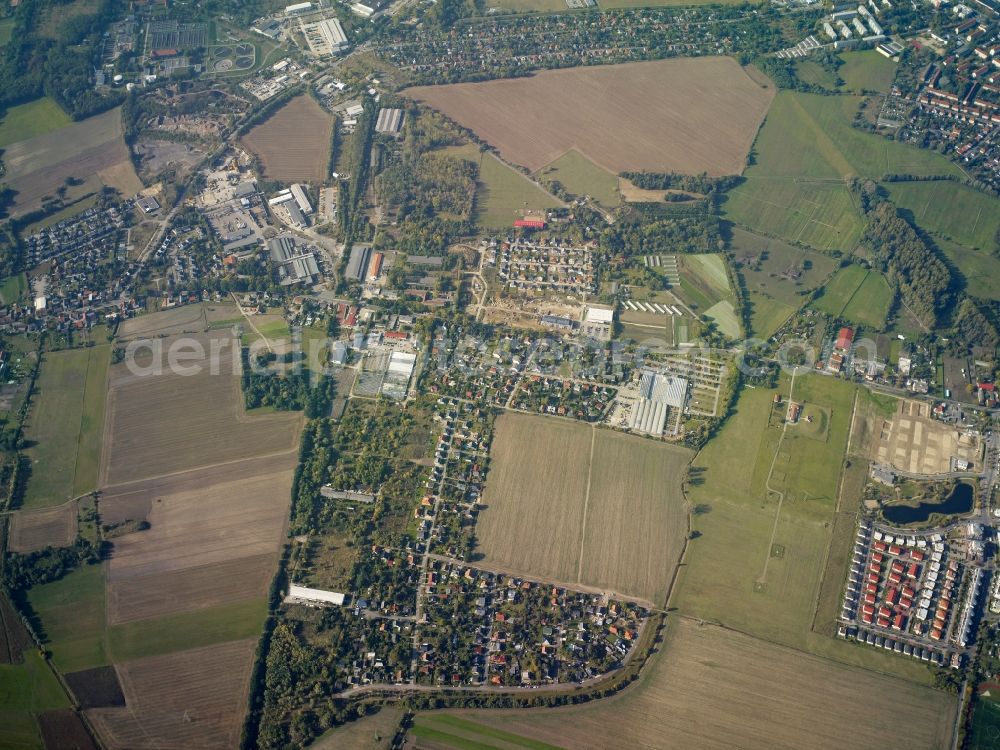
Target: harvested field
column 712, row 688
column 374, row 732
column 294, row 143
column 37, row 167
column 96, row 688
column 34, row 529
column 64, row 730
column 14, row 637
column 169, row 422
column 193, row 698
column 595, row 508
column 533, row 121
column 186, row 319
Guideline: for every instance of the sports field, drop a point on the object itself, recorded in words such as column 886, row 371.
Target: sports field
column 770, row 503
column 502, row 194
column 28, row 120
column 580, row 176
column 710, row 107
column 857, row 294
column 967, row 216
column 712, row 688
column 293, row 143
column 65, row 425
column 581, row 505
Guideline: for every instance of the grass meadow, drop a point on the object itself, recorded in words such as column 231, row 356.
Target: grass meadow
column 580, row 176
column 72, row 611
column 757, row 563
column 26, row 689
column 502, row 193
column 28, row 120
column 956, row 212
column 66, row 424
column 857, row 294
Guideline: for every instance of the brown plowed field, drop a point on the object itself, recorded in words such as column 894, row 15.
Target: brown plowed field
column 170, row 422
column 577, row 505
column 190, row 699
column 686, row 115
column 175, row 592
column 32, row 530
column 712, row 689
column 294, row 143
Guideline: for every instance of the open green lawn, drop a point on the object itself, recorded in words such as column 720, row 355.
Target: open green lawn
column 967, row 216
column 73, row 614
column 580, row 176
column 818, row 214
column 870, row 303
column 985, row 726
column 861, row 71
column 66, row 424
column 980, row 269
column 28, row 120
column 705, row 287
column 857, row 294
column 767, row 314
column 803, row 155
column 502, row 193
column 164, row 635
column 453, row 731
column 731, row 573
column 12, row 288
column 866, row 70
column 777, row 269
column 6, row 29
column 26, row 689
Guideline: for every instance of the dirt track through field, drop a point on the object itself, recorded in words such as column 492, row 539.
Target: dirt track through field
column 686, row 115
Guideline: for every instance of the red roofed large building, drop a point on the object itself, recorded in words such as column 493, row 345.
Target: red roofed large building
column 844, row 339
column 529, row 224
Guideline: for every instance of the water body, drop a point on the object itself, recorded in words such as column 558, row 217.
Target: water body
column 959, row 501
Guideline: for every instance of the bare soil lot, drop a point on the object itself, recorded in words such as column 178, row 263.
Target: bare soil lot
column 712, row 688
column 170, row 422
column 188, row 699
column 64, row 729
column 184, row 319
column 157, row 155
column 294, row 143
column 684, row 115
column 34, row 529
column 93, row 147
column 96, row 688
column 582, row 506
column 911, row 441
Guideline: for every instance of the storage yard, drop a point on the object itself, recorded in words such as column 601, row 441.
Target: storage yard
column 533, row 121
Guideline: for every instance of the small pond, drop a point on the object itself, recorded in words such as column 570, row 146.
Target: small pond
column 958, row 502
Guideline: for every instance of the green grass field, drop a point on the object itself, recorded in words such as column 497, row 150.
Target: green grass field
column 817, row 214
column 861, row 71
column 452, row 731
column 6, row 29
column 502, row 192
column 767, row 315
column 857, row 294
column 730, row 575
column 777, row 269
column 967, row 216
column 805, row 151
column 73, row 614
column 705, row 286
column 985, row 726
column 580, row 176
column 164, row 635
column 979, row 268
column 12, row 288
column 26, row 689
column 66, row 423
column 28, row 120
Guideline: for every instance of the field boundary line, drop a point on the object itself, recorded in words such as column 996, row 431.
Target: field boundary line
column 767, row 484
column 586, row 503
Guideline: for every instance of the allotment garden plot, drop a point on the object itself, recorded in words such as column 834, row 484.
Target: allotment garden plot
column 581, row 505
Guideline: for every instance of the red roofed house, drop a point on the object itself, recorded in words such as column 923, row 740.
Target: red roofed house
column 529, row 224
column 844, row 339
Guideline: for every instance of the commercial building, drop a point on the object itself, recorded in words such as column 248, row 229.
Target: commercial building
column 301, row 199
column 357, row 264
column 305, row 595
column 598, row 321
column 657, row 394
column 295, row 265
column 389, row 121
column 297, row 9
